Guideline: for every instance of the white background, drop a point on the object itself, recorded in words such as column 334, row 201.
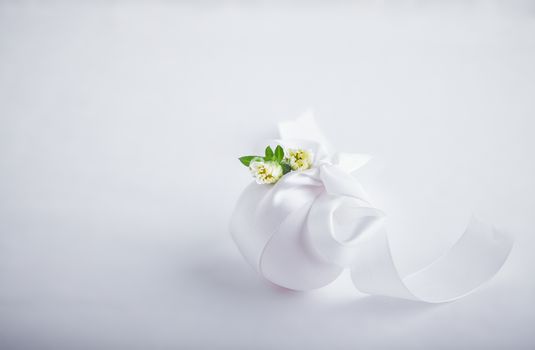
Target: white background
column 120, row 128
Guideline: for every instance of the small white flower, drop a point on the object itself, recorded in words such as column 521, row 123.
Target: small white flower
column 265, row 172
column 299, row 159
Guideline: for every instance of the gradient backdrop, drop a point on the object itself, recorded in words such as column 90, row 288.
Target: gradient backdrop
column 120, row 127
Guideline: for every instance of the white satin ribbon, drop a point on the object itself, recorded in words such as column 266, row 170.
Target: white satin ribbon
column 302, row 232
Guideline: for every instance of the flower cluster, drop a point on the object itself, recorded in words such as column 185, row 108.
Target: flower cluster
column 274, row 164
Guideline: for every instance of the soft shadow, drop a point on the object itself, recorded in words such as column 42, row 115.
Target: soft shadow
column 227, row 276
column 230, row 275
column 378, row 307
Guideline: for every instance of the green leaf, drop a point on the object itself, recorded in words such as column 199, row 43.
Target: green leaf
column 286, row 168
column 279, row 153
column 246, row 160
column 269, row 153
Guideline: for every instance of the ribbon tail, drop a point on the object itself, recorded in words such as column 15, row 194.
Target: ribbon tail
column 476, row 257
column 350, row 162
column 304, row 128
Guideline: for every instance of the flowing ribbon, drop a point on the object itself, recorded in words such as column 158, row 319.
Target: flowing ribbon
column 302, row 232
